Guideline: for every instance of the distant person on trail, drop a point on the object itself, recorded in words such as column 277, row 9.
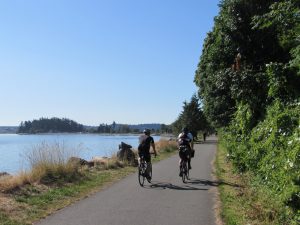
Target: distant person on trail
column 204, row 136
column 185, row 138
column 145, row 142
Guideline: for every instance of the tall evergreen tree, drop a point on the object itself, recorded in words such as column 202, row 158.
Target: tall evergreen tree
column 191, row 117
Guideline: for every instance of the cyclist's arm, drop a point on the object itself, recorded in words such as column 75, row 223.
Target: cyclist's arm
column 191, row 140
column 153, row 147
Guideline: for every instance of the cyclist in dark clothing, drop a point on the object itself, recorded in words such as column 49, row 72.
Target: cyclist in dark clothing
column 145, row 142
column 185, row 138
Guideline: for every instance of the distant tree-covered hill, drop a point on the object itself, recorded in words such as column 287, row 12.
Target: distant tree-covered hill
column 132, row 128
column 57, row 125
column 8, row 129
column 53, row 125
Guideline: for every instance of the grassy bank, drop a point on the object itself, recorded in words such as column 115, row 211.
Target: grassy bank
column 245, row 201
column 48, row 187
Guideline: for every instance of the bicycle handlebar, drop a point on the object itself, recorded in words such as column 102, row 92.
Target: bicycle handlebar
column 152, row 153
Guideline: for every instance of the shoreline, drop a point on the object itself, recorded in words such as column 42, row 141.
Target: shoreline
column 85, row 148
column 90, row 133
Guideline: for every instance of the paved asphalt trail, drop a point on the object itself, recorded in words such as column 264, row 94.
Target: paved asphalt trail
column 166, row 201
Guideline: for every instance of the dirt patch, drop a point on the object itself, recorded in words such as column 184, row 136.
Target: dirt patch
column 7, row 204
column 11, row 208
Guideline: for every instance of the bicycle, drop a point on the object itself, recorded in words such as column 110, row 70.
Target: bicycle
column 142, row 171
column 184, row 169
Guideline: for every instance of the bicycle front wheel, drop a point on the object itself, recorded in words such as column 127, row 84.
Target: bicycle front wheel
column 187, row 173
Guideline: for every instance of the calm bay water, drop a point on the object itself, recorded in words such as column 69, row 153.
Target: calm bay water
column 13, row 147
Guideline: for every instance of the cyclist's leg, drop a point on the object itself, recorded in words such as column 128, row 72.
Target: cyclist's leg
column 148, row 160
column 189, row 158
column 140, row 156
column 181, row 156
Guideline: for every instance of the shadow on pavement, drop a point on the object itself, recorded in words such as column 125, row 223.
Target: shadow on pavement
column 190, row 185
column 211, row 183
column 209, row 142
column 183, row 187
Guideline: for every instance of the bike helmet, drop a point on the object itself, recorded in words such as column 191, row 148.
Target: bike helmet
column 185, row 130
column 146, row 131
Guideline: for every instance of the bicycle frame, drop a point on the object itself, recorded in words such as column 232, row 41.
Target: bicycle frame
column 184, row 170
column 144, row 171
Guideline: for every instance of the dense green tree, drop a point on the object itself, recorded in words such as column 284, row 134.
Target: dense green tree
column 113, row 127
column 191, row 117
column 53, row 125
column 283, row 75
column 165, row 128
column 104, row 128
column 221, row 84
column 249, row 79
column 124, row 128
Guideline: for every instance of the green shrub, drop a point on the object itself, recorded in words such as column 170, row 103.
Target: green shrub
column 270, row 150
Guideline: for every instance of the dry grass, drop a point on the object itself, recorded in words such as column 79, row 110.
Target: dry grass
column 9, row 183
column 49, row 154
column 110, row 163
column 163, row 145
column 48, row 162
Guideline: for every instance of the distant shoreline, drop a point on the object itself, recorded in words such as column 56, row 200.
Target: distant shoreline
column 8, row 129
column 83, row 133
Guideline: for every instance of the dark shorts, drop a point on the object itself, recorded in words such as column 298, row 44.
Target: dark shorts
column 146, row 156
column 184, row 152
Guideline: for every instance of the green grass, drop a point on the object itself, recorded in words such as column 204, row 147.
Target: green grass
column 231, row 211
column 5, row 220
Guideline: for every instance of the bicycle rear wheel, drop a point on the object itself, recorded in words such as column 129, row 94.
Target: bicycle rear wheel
column 141, row 175
column 184, row 172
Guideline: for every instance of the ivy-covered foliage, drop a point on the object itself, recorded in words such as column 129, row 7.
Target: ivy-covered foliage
column 249, row 82
column 271, row 150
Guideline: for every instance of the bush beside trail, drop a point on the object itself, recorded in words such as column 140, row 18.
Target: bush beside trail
column 249, row 78
column 270, row 151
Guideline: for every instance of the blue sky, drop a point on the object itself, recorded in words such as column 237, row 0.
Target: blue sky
column 128, row 61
